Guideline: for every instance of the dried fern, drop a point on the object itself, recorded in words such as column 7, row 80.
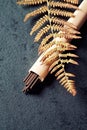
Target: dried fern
column 30, row 2
column 51, row 22
column 39, row 23
column 72, row 1
column 41, row 10
column 62, row 5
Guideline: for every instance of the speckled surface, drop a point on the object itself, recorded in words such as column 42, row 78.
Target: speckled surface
column 51, row 109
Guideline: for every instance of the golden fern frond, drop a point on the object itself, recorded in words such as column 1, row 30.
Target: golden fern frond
column 41, row 33
column 56, row 51
column 46, row 59
column 41, row 10
column 55, row 66
column 55, row 56
column 67, row 35
column 57, row 28
column 63, row 77
column 61, row 13
column 63, row 61
column 51, row 58
column 42, row 48
column 44, row 41
column 54, row 27
column 65, row 45
column 48, row 53
column 62, row 22
column 30, row 2
column 60, row 47
column 70, row 86
column 72, row 1
column 68, row 55
column 71, row 31
column 65, row 48
column 70, row 75
column 44, row 45
column 39, row 23
column 60, row 71
column 51, row 22
column 67, row 30
column 62, row 5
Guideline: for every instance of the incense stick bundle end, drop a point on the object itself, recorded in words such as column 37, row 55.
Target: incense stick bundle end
column 30, row 81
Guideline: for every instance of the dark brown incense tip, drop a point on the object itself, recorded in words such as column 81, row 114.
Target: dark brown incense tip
column 30, row 81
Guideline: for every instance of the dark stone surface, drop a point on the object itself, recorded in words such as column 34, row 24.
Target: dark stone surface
column 51, row 109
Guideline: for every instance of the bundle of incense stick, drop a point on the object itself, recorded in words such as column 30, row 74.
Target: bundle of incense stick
column 39, row 70
column 30, row 80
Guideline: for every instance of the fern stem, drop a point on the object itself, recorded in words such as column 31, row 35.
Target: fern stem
column 49, row 16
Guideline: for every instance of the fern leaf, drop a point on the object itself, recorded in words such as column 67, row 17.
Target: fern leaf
column 70, row 30
column 51, row 58
column 69, row 61
column 59, row 72
column 66, row 30
column 57, row 28
column 51, row 23
column 70, row 75
column 62, row 83
column 60, row 45
column 72, row 36
column 42, row 48
column 67, row 74
column 62, row 5
column 39, row 23
column 60, row 76
column 41, row 33
column 61, row 13
column 59, row 49
column 62, row 22
column 72, row 1
column 41, row 10
column 55, row 68
column 70, row 87
column 30, row 2
column 48, row 54
column 65, row 45
column 67, row 35
column 63, row 80
column 67, row 55
column 46, row 39
column 53, row 65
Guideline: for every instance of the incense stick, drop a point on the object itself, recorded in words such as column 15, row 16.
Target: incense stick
column 30, row 80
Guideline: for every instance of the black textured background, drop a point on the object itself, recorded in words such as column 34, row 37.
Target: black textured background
column 51, row 109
